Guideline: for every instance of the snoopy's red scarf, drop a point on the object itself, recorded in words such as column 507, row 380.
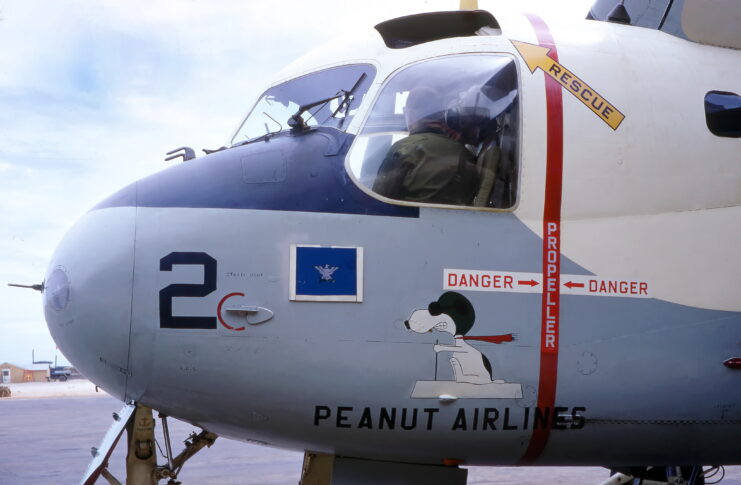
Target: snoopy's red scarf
column 495, row 339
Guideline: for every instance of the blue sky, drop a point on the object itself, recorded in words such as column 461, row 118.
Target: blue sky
column 94, row 93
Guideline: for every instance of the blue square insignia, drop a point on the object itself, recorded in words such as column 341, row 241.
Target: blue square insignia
column 326, row 273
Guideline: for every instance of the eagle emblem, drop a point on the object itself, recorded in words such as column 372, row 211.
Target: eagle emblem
column 326, row 272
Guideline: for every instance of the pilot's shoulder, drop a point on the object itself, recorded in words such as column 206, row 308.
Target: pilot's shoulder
column 424, row 140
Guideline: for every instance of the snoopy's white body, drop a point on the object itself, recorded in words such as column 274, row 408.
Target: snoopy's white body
column 467, row 362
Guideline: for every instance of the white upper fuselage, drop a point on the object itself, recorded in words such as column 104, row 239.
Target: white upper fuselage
column 628, row 195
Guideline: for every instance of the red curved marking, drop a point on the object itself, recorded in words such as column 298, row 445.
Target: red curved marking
column 550, row 314
column 218, row 312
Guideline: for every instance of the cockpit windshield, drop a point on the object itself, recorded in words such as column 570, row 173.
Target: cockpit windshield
column 341, row 89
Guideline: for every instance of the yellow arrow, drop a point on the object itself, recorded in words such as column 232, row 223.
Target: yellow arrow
column 536, row 57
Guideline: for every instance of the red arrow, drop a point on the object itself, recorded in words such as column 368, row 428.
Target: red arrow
column 527, row 282
column 573, row 285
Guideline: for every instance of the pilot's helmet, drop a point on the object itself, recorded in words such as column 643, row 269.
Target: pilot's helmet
column 469, row 114
column 474, row 112
column 424, row 106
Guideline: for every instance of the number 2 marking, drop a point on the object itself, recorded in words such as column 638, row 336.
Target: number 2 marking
column 167, row 320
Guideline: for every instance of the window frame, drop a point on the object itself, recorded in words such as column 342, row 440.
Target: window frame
column 520, row 125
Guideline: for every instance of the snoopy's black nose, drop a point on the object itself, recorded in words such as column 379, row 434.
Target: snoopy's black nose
column 406, row 323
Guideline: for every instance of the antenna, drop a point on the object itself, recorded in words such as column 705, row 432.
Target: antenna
column 39, row 287
column 34, row 361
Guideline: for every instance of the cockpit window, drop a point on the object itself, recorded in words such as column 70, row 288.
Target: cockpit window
column 723, row 113
column 444, row 131
column 329, row 98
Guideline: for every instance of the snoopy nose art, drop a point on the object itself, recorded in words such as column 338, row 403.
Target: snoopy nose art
column 406, row 324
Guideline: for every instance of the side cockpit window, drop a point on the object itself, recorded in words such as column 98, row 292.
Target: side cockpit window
column 723, row 113
column 444, row 131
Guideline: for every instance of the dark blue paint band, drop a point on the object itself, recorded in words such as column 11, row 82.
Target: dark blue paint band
column 302, row 173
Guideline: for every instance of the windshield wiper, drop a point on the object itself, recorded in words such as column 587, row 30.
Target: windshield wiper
column 267, row 130
column 264, row 137
column 254, row 140
column 297, row 122
column 348, row 97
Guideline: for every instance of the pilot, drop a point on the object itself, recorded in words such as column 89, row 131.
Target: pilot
column 431, row 164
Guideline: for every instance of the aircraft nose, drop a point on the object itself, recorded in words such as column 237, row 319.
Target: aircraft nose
column 87, row 296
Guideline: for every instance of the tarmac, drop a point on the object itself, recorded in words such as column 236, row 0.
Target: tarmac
column 47, row 430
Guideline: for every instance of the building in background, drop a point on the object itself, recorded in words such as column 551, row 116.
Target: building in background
column 10, row 373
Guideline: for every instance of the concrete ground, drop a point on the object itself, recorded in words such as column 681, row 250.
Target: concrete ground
column 47, row 430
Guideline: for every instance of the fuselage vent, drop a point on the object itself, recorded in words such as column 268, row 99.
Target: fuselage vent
column 412, row 30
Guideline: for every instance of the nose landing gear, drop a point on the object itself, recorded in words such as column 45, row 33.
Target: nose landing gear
column 141, row 459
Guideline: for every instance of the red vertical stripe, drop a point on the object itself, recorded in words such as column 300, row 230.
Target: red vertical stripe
column 550, row 316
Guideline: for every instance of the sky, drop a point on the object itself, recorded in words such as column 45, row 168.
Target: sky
column 94, row 93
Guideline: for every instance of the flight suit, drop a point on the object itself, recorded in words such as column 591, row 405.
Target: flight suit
column 428, row 167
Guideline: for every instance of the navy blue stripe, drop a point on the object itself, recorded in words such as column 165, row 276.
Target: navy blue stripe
column 302, row 173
